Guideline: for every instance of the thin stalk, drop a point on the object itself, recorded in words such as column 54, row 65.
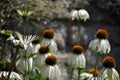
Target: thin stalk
column 79, row 71
column 24, row 26
column 78, row 35
column 26, row 76
column 72, row 70
column 3, row 50
column 96, row 64
column 78, row 31
column 13, row 62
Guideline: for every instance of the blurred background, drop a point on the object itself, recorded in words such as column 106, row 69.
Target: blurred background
column 55, row 14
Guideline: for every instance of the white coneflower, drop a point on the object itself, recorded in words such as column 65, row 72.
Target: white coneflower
column 91, row 75
column 51, row 70
column 39, row 60
column 13, row 76
column 109, row 72
column 25, row 40
column 79, row 13
column 48, row 40
column 100, row 44
column 77, row 59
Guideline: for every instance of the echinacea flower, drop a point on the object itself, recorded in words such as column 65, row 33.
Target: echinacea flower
column 39, row 60
column 13, row 75
column 51, row 70
column 91, row 75
column 79, row 14
column 48, row 40
column 25, row 40
column 100, row 44
column 77, row 59
column 108, row 72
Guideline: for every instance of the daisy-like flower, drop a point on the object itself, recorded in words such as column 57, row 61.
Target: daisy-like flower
column 51, row 69
column 13, row 75
column 25, row 40
column 77, row 59
column 93, row 73
column 39, row 60
column 48, row 40
column 100, row 44
column 79, row 13
column 6, row 34
column 108, row 72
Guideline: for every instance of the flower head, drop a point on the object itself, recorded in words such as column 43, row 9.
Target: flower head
column 109, row 62
column 77, row 49
column 37, row 41
column 51, row 69
column 25, row 40
column 44, row 49
column 48, row 33
column 51, row 60
column 100, row 44
column 78, row 7
column 102, row 34
column 94, row 71
column 79, row 14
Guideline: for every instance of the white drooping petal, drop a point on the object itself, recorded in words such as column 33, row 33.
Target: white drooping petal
column 74, row 14
column 51, row 43
column 13, row 75
column 77, row 60
column 53, row 46
column 83, row 14
column 52, row 72
column 25, row 64
column 35, row 48
column 100, row 45
column 86, row 75
column 108, row 74
column 39, row 60
column 80, row 14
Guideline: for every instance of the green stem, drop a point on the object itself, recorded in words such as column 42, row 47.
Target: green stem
column 26, row 76
column 78, row 35
column 79, row 71
column 24, row 26
column 72, row 70
column 3, row 51
column 13, row 62
column 96, row 64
